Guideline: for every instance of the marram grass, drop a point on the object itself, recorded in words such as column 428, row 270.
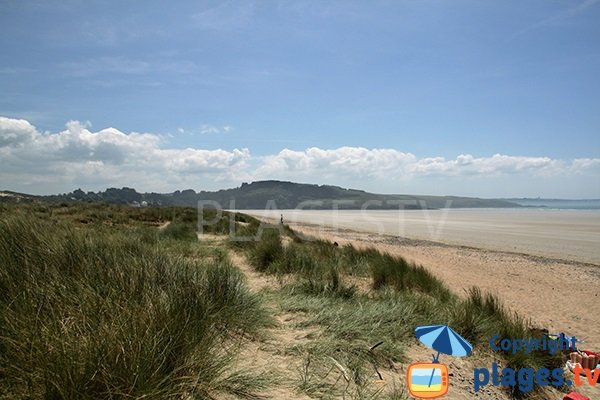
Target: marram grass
column 92, row 313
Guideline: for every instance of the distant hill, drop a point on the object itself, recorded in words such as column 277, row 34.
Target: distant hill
column 564, row 204
column 259, row 195
column 7, row 196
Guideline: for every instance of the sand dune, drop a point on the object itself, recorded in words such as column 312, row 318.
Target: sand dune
column 562, row 296
column 518, row 255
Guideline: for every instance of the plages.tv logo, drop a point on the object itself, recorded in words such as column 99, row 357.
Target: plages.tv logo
column 580, row 363
column 429, row 380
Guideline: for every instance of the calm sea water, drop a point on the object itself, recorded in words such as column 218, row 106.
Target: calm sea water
column 558, row 233
column 560, row 204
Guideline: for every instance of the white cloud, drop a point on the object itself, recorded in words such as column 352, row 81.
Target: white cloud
column 14, row 132
column 355, row 161
column 79, row 156
column 582, row 165
column 127, row 67
column 37, row 162
column 466, row 164
column 206, row 129
column 381, row 163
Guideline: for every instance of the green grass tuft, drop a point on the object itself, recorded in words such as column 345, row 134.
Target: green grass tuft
column 179, row 231
column 93, row 313
column 267, row 250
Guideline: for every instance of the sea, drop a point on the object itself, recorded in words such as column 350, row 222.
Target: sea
column 560, row 204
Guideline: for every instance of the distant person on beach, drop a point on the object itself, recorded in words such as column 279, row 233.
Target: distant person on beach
column 281, row 220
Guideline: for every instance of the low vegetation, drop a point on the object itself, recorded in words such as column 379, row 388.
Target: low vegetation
column 402, row 296
column 116, row 312
column 102, row 301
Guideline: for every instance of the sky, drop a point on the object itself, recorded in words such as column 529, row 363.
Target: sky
column 474, row 98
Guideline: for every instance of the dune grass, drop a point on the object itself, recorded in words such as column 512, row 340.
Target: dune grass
column 97, row 302
column 403, row 296
column 108, row 313
column 179, row 231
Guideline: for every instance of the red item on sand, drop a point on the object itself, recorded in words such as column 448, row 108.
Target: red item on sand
column 575, row 396
column 593, row 359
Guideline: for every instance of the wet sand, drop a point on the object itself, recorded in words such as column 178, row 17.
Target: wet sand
column 571, row 235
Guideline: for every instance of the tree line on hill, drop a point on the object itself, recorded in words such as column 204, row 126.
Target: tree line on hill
column 263, row 194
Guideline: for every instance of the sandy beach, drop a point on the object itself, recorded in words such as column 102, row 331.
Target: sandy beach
column 571, row 235
column 559, row 293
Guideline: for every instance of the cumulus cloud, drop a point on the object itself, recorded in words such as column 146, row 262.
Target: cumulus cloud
column 80, row 156
column 43, row 162
column 389, row 163
column 354, row 161
column 581, row 165
column 14, row 132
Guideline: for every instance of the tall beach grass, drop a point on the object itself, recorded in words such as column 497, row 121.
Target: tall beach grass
column 403, row 295
column 92, row 313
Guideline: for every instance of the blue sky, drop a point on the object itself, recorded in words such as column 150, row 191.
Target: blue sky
column 437, row 97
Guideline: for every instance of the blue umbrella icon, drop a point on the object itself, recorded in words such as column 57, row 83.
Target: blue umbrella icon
column 443, row 339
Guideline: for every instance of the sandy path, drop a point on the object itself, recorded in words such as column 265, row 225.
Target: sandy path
column 269, row 356
column 164, row 225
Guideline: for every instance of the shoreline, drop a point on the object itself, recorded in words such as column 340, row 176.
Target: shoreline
column 395, row 239
column 560, row 295
column 560, row 235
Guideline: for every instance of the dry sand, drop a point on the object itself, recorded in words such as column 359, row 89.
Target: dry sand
column 572, row 235
column 559, row 295
column 544, row 265
column 552, row 280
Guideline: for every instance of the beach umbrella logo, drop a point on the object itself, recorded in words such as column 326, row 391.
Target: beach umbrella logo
column 443, row 339
column 430, row 380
